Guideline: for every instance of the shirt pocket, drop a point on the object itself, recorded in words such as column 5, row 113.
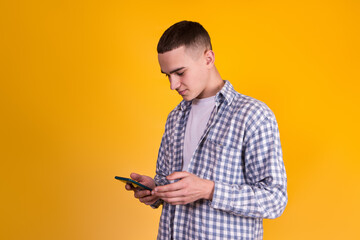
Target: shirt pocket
column 205, row 160
column 229, row 164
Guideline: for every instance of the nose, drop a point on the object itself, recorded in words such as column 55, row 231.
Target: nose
column 174, row 83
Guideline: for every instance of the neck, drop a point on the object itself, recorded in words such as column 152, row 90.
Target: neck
column 216, row 83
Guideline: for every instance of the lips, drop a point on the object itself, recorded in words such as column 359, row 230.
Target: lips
column 182, row 92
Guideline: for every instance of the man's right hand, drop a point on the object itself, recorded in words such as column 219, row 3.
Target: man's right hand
column 144, row 196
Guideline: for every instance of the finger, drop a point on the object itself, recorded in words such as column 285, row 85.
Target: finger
column 136, row 177
column 129, row 187
column 141, row 193
column 177, row 175
column 149, row 200
column 169, row 187
column 170, row 194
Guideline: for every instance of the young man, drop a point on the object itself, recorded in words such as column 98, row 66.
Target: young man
column 219, row 169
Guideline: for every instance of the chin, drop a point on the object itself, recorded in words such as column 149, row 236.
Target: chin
column 187, row 98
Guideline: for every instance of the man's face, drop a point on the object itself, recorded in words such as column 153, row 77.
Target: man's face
column 187, row 71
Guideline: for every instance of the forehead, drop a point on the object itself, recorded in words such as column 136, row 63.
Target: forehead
column 176, row 58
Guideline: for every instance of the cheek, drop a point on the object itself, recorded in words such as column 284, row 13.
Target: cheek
column 186, row 80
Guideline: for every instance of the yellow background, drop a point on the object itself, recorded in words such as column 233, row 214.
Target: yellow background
column 82, row 100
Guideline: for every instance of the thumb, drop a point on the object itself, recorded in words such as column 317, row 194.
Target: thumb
column 136, row 177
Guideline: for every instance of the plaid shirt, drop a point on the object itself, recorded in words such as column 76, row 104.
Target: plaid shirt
column 240, row 151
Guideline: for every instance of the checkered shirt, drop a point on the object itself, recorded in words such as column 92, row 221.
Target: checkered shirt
column 240, row 151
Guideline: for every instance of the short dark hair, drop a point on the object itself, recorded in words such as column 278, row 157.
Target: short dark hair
column 184, row 33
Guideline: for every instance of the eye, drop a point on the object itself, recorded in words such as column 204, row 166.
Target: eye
column 179, row 74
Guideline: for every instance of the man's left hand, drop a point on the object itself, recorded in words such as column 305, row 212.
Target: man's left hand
column 188, row 189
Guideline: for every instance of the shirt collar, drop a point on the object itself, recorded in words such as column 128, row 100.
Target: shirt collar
column 184, row 105
column 226, row 94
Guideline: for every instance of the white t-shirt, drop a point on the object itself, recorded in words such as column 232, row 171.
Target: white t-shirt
column 199, row 116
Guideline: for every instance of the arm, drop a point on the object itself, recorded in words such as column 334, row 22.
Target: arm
column 264, row 195
column 163, row 168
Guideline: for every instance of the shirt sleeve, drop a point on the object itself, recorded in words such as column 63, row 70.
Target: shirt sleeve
column 162, row 164
column 160, row 171
column 265, row 193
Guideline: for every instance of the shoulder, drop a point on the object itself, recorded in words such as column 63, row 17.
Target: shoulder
column 251, row 113
column 250, row 106
column 244, row 106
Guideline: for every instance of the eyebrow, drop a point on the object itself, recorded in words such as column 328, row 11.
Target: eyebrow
column 178, row 69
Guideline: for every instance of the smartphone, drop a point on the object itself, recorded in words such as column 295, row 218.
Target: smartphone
column 132, row 182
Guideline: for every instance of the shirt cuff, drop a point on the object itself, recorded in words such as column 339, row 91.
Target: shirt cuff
column 222, row 196
column 156, row 204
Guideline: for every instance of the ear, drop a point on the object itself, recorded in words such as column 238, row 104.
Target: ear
column 209, row 58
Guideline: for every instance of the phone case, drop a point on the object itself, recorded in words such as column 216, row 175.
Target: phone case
column 133, row 182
